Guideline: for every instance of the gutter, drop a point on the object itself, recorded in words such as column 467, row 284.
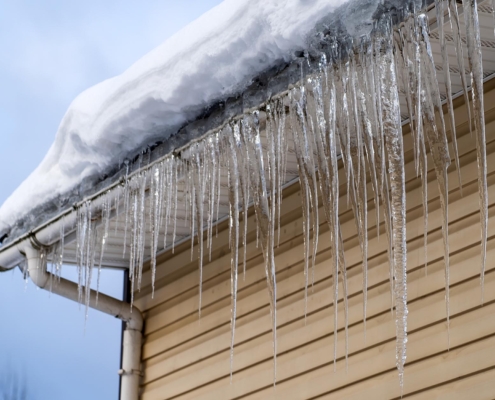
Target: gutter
column 130, row 372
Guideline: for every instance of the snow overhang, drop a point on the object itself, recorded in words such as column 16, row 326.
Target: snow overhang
column 221, row 65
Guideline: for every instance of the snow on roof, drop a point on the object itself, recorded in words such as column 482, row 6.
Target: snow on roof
column 214, row 57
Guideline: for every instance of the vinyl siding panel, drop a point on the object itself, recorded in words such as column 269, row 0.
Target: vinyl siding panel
column 188, row 358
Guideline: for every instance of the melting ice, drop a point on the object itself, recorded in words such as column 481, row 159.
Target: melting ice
column 343, row 111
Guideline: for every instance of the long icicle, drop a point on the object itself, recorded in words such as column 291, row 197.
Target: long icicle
column 475, row 63
column 456, row 33
column 437, row 141
column 439, row 6
column 333, row 196
column 395, row 150
column 251, row 137
column 233, row 177
column 360, row 202
column 307, row 179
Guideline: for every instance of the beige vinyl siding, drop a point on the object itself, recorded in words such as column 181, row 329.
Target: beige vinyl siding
column 187, row 358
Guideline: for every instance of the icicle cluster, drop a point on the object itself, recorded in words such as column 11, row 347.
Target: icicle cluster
column 344, row 110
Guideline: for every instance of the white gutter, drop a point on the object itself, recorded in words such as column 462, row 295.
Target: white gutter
column 131, row 357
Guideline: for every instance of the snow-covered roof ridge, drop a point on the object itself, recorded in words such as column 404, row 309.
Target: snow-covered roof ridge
column 225, row 52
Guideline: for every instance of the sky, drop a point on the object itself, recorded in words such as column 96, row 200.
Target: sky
column 51, row 51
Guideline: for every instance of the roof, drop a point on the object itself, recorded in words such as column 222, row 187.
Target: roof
column 215, row 58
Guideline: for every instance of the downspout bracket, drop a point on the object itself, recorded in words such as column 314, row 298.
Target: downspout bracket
column 137, row 372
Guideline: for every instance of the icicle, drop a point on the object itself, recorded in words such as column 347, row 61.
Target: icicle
column 134, row 237
column 380, row 137
column 219, row 187
column 43, row 260
column 92, row 240
column 116, row 206
column 351, row 139
column 88, row 267
column 168, row 199
column 191, row 195
column 448, row 85
column 326, row 149
column 474, row 55
column 424, row 193
column 163, row 201
column 309, row 141
column 176, row 167
column 271, row 136
column 168, row 187
column 456, row 33
column 126, row 204
column 393, row 134
column 408, row 44
column 105, row 216
column 345, row 295
column 413, row 89
column 212, row 159
column 141, row 233
column 197, row 213
column 368, row 120
column 251, row 137
column 282, row 161
column 383, row 184
column 361, row 203
column 344, row 128
column 309, row 189
column 84, row 245
column 437, row 140
column 51, row 257
column 156, row 215
column 233, row 178
column 305, row 194
column 243, row 169
column 60, row 259
column 78, row 249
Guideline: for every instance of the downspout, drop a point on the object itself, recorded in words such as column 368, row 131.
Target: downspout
column 131, row 355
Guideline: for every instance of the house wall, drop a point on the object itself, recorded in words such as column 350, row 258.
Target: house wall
column 187, row 358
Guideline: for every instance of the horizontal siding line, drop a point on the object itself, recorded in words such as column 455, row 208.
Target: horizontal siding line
column 440, row 261
column 441, row 384
column 473, row 280
column 405, row 395
column 391, row 341
column 410, row 365
column 392, row 376
column 329, row 336
column 340, row 302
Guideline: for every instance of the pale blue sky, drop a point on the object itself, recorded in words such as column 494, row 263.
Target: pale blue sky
column 51, row 50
